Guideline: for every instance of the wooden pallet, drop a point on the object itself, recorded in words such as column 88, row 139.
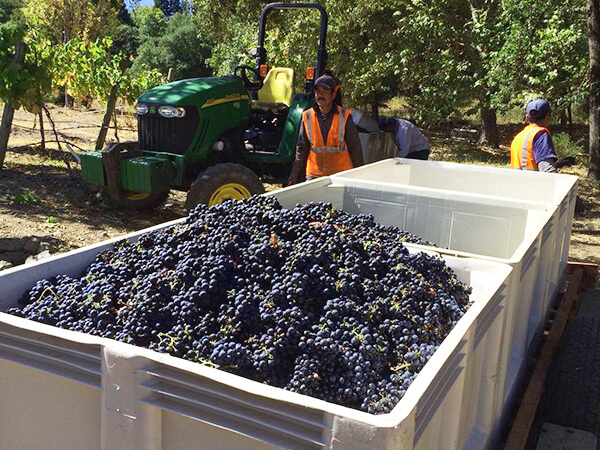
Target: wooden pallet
column 582, row 277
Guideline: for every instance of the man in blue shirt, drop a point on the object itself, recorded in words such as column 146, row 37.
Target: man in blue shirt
column 410, row 141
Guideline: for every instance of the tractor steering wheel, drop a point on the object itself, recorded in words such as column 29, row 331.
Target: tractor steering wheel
column 250, row 85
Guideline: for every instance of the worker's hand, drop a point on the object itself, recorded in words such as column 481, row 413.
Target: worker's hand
column 566, row 161
column 293, row 179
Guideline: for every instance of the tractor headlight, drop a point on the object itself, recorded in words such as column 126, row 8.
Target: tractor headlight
column 141, row 109
column 171, row 111
column 167, row 111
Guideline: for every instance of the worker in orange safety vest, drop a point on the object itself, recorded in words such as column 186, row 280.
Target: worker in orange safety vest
column 532, row 148
column 328, row 140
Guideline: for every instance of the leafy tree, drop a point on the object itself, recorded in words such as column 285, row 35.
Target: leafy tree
column 87, row 68
column 85, row 20
column 232, row 27
column 593, row 21
column 544, row 53
column 449, row 48
column 59, row 21
column 126, row 35
column 13, row 29
column 174, row 44
column 169, row 7
column 90, row 68
column 8, row 9
column 489, row 53
column 361, row 34
column 150, row 21
column 24, row 75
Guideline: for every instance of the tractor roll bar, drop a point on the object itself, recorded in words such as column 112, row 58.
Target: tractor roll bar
column 321, row 54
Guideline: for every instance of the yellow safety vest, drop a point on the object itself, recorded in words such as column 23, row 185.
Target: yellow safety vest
column 521, row 149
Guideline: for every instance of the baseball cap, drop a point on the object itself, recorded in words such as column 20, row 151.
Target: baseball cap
column 385, row 122
column 537, row 109
column 325, row 81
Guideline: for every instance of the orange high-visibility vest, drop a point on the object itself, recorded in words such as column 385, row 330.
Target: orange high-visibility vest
column 521, row 149
column 327, row 159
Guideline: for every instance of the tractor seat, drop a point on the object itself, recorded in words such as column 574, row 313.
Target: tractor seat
column 277, row 91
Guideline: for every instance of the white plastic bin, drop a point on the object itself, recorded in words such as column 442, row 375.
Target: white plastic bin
column 93, row 392
column 365, row 122
column 520, row 185
column 514, row 185
column 521, row 234
column 376, row 146
column 483, row 180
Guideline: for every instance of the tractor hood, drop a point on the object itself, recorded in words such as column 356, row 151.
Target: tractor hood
column 200, row 92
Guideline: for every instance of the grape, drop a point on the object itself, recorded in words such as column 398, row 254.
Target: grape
column 312, row 299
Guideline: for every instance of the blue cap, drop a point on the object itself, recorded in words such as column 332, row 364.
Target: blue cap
column 537, row 109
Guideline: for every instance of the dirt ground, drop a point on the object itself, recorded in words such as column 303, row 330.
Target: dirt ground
column 40, row 196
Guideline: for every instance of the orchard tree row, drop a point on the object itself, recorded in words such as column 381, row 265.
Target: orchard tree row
column 445, row 58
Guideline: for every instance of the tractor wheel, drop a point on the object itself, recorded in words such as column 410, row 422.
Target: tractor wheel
column 223, row 182
column 138, row 200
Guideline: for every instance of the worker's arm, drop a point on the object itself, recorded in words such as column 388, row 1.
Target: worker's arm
column 543, row 152
column 547, row 165
column 302, row 149
column 353, row 143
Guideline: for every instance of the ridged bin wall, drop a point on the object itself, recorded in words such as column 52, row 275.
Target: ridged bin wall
column 524, row 235
column 91, row 392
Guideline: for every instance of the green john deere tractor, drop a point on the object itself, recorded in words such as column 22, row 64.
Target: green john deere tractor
column 211, row 137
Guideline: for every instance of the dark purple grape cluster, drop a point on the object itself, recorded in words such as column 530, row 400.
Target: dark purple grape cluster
column 312, row 299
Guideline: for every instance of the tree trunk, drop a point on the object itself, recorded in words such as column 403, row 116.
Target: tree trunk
column 116, row 126
column 375, row 106
column 9, row 110
column 110, row 107
column 593, row 21
column 43, row 143
column 563, row 118
column 489, row 128
column 69, row 100
column 40, row 115
column 5, row 126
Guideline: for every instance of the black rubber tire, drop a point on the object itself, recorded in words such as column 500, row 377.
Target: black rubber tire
column 136, row 200
column 574, row 387
column 217, row 176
